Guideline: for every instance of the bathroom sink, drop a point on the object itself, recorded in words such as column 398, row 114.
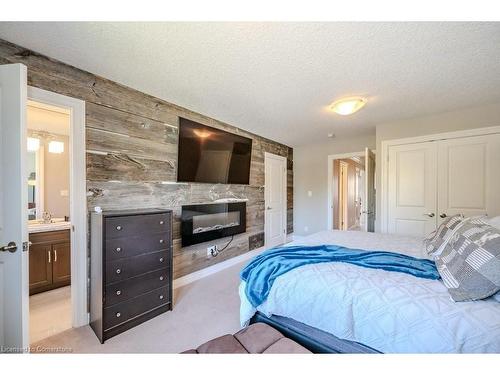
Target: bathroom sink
column 35, row 226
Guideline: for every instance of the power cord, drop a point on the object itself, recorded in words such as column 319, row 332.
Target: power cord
column 216, row 251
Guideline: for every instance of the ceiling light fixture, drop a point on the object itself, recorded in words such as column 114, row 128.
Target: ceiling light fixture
column 348, row 106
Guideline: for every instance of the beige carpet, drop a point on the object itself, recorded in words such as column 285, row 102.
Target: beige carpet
column 202, row 310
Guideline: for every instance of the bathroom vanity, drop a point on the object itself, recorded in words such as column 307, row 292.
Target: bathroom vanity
column 49, row 256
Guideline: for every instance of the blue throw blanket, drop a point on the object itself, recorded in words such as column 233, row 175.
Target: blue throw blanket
column 261, row 272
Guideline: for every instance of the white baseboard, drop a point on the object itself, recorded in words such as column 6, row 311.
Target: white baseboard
column 187, row 279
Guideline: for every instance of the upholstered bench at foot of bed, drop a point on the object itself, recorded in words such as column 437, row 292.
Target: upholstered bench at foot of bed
column 256, row 338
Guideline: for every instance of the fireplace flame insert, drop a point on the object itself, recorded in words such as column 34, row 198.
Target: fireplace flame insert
column 206, row 222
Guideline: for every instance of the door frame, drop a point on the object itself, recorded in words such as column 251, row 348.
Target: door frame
column 78, row 198
column 384, row 197
column 343, row 193
column 331, row 158
column 282, row 159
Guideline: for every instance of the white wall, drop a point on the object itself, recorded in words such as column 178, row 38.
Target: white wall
column 468, row 118
column 310, row 174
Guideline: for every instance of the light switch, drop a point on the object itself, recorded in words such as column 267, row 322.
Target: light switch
column 309, row 193
column 64, row 193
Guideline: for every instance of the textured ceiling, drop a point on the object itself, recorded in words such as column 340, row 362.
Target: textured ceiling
column 276, row 79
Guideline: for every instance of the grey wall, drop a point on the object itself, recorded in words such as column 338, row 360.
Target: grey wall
column 467, row 118
column 310, row 173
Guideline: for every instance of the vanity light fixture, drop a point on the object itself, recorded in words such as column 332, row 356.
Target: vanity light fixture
column 56, row 147
column 348, row 106
column 33, row 144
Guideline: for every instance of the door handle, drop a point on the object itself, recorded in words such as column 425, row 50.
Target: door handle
column 269, row 208
column 11, row 247
column 443, row 215
column 55, row 255
column 430, row 214
column 50, row 256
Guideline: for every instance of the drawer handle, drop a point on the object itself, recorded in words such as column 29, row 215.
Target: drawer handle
column 118, row 271
column 161, row 222
column 162, row 240
column 118, row 314
column 119, row 227
column 118, row 292
column 161, row 296
column 161, row 260
column 161, row 278
column 118, row 249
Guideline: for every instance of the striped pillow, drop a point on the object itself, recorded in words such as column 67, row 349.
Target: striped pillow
column 435, row 242
column 469, row 263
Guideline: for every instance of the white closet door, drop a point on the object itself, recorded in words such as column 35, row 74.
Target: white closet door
column 469, row 176
column 412, row 188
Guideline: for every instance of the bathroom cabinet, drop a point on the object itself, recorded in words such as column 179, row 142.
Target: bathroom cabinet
column 49, row 260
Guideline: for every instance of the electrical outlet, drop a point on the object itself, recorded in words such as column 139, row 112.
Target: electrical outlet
column 211, row 251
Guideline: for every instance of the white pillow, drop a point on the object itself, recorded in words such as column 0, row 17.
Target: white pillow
column 494, row 222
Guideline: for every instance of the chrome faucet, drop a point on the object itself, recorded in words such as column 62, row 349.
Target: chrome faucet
column 47, row 217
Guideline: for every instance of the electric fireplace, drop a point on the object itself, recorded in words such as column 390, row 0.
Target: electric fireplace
column 206, row 222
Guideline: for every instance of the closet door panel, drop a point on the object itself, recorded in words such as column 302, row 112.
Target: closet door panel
column 468, row 176
column 412, row 188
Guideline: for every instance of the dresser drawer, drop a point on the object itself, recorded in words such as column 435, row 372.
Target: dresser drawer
column 122, row 269
column 124, row 311
column 123, row 247
column 125, row 290
column 126, row 226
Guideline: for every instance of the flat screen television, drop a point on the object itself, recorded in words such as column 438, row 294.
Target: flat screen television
column 211, row 155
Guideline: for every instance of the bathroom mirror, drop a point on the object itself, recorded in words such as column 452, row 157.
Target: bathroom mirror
column 35, row 184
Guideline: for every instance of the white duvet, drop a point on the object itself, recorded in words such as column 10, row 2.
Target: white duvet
column 388, row 311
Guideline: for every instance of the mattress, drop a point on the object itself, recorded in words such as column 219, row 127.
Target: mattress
column 388, row 311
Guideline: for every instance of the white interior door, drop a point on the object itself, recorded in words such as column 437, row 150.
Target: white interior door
column 369, row 192
column 469, row 176
column 275, row 200
column 412, row 188
column 14, row 294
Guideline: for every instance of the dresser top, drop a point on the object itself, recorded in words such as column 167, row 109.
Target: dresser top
column 130, row 212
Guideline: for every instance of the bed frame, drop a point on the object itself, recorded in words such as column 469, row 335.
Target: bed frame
column 315, row 340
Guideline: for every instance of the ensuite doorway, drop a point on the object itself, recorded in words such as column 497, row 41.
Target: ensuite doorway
column 56, row 213
column 48, row 171
column 351, row 189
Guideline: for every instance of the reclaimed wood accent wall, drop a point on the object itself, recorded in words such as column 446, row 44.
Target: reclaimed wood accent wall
column 132, row 154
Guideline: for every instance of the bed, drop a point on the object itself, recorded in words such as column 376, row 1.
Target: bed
column 339, row 307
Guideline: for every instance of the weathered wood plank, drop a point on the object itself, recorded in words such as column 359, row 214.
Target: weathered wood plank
column 193, row 258
column 104, row 141
column 120, row 167
column 117, row 121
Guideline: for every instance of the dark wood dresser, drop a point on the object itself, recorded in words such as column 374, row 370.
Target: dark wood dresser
column 130, row 268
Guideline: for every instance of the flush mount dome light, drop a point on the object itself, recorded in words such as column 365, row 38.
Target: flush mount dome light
column 348, row 106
